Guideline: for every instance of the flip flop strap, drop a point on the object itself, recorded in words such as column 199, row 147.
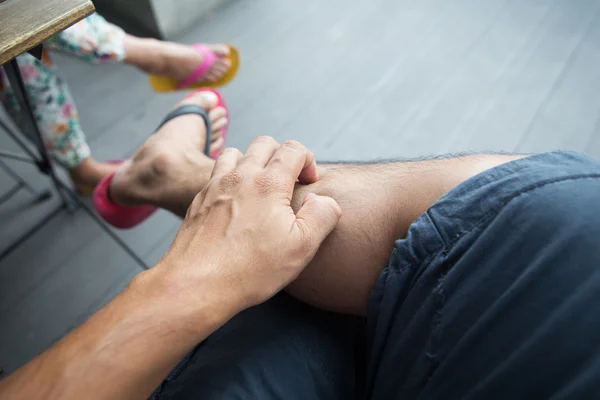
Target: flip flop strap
column 208, row 59
column 195, row 110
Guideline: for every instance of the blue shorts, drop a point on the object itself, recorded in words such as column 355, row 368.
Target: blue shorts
column 494, row 293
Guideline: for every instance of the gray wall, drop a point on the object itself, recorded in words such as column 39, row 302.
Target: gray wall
column 165, row 19
column 135, row 16
column 177, row 16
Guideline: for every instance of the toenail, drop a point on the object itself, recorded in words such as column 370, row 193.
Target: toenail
column 209, row 97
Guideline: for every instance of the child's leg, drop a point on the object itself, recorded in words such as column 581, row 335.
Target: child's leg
column 56, row 117
column 53, row 108
column 93, row 40
column 97, row 41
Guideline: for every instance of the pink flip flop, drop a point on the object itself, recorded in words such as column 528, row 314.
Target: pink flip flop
column 117, row 215
column 87, row 190
column 194, row 80
column 124, row 217
column 220, row 103
column 209, row 59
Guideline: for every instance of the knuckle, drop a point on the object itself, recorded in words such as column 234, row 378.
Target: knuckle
column 230, row 180
column 264, row 139
column 294, row 144
column 230, row 151
column 277, row 159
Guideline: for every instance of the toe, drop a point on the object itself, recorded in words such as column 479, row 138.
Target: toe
column 217, row 144
column 220, row 69
column 217, row 113
column 218, row 121
column 211, row 76
column 221, row 49
column 222, row 65
column 206, row 99
column 217, row 127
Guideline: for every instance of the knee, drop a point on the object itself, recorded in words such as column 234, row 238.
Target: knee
column 570, row 205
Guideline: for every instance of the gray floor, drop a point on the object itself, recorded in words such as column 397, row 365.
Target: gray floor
column 352, row 80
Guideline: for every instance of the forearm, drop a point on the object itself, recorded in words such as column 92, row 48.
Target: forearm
column 124, row 351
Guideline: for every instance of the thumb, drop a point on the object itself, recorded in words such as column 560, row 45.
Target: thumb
column 315, row 219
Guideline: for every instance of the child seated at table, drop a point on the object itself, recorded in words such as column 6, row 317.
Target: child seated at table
column 97, row 41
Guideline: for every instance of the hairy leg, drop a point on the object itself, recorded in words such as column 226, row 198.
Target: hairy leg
column 379, row 202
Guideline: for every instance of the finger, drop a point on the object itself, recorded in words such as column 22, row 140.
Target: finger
column 294, row 161
column 226, row 162
column 315, row 220
column 260, row 151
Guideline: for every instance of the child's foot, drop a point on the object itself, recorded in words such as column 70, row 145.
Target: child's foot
column 182, row 60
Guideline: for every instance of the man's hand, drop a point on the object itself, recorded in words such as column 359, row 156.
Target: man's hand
column 241, row 242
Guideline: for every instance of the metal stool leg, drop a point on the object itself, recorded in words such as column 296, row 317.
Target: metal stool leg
column 69, row 198
column 44, row 164
column 105, row 227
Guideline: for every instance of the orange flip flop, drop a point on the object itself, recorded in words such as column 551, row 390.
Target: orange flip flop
column 194, row 80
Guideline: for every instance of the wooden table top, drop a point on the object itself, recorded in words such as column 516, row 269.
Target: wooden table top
column 26, row 23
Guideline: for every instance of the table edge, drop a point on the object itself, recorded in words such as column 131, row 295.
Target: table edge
column 48, row 30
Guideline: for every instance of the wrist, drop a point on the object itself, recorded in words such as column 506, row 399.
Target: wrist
column 192, row 307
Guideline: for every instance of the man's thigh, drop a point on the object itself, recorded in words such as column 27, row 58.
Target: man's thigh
column 495, row 293
column 281, row 349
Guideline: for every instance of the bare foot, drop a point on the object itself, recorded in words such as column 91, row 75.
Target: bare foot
column 173, row 60
column 181, row 60
column 157, row 174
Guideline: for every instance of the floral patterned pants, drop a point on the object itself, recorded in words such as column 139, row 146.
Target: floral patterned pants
column 94, row 40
